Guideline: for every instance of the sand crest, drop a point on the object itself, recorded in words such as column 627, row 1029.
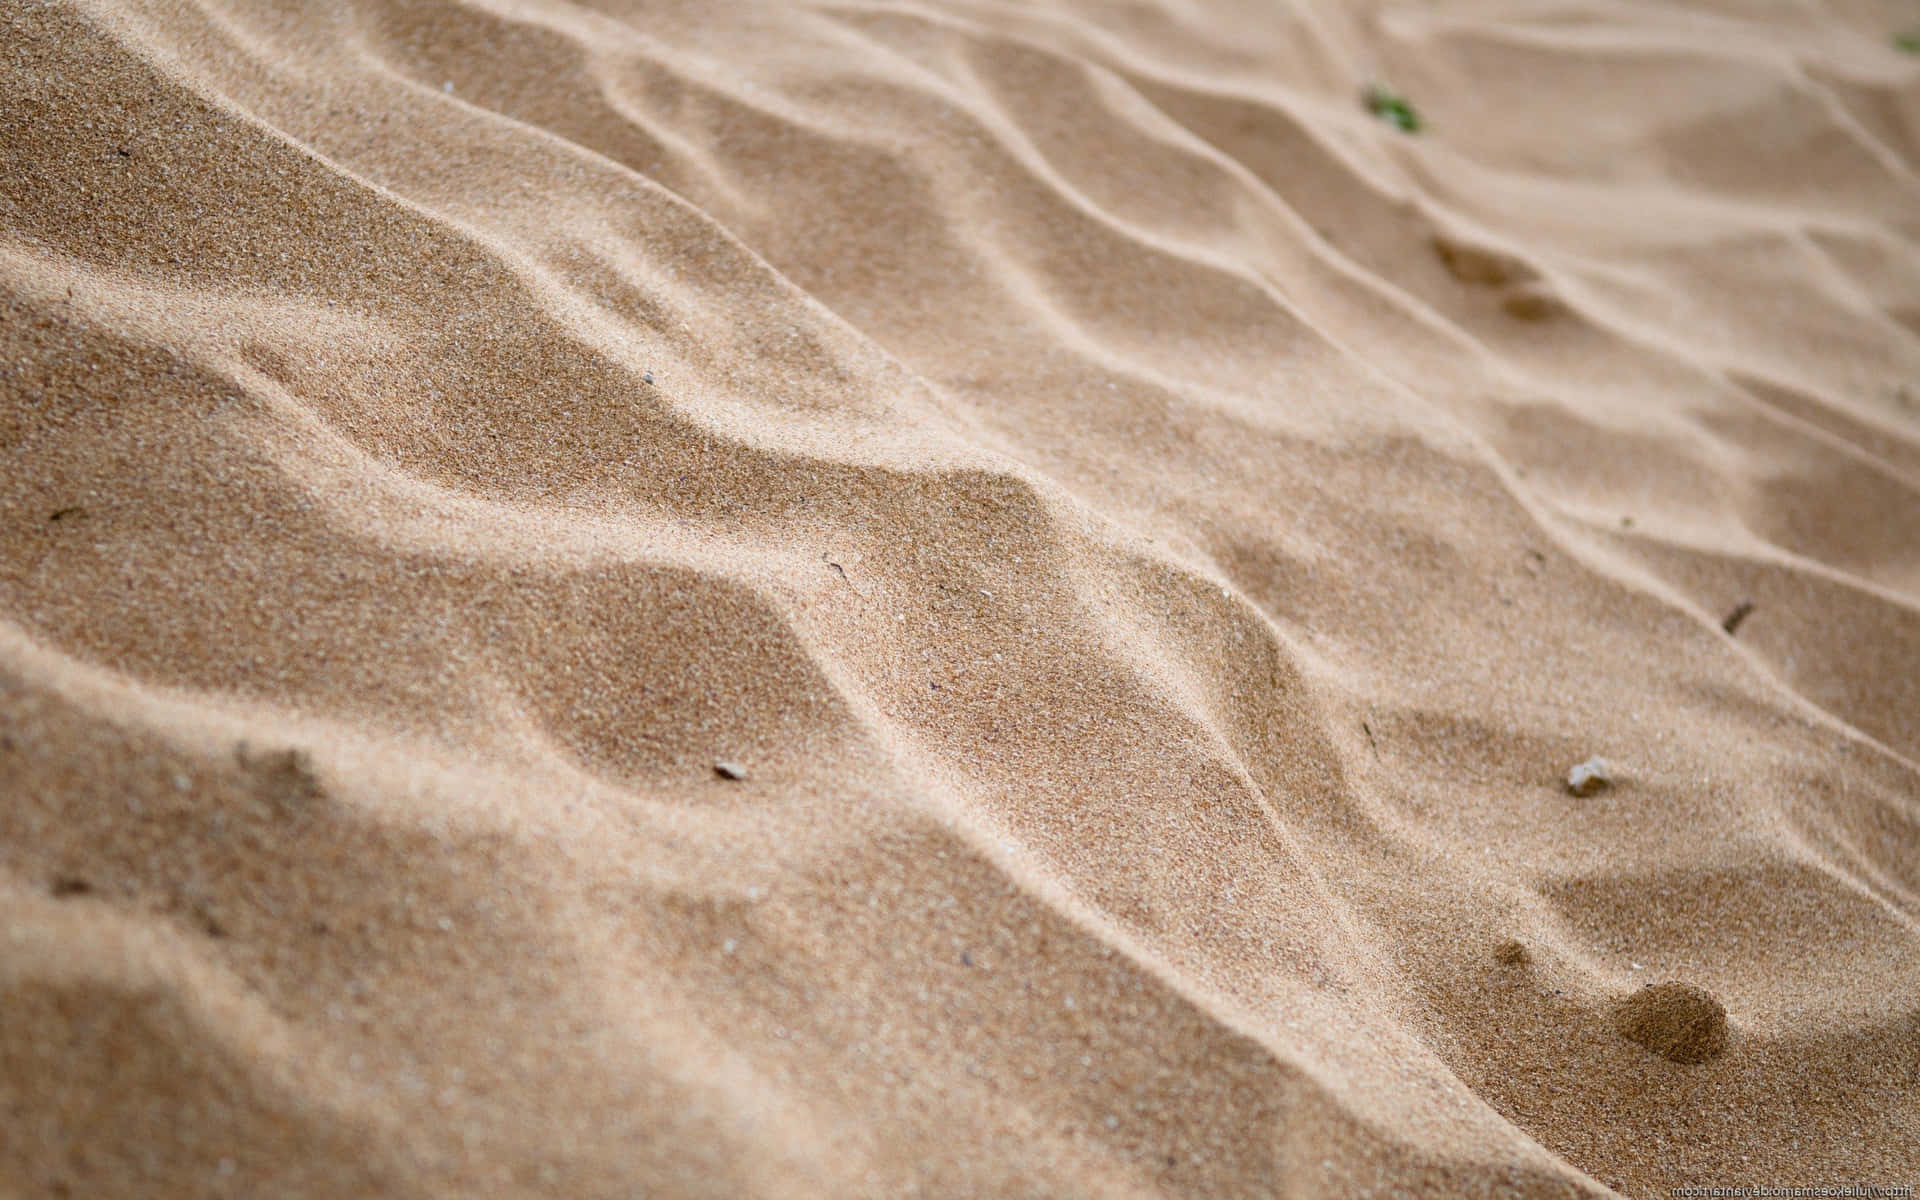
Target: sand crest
column 958, row 599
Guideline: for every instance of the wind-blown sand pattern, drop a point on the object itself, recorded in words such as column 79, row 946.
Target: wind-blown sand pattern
column 1148, row 538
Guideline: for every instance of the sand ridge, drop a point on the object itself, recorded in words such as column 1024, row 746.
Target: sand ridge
column 870, row 599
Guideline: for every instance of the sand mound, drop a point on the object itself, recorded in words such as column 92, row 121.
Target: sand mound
column 1674, row 1020
column 1511, row 953
column 955, row 599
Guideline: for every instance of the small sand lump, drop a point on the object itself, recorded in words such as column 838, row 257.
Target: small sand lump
column 1589, row 777
column 726, row 769
column 1675, row 1020
column 1511, row 953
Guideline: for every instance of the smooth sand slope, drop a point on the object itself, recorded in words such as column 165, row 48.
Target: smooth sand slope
column 1147, row 537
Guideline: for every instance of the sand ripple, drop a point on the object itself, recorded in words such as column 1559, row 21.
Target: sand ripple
column 1153, row 537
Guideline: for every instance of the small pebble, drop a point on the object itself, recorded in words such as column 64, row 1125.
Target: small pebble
column 730, row 770
column 1589, row 777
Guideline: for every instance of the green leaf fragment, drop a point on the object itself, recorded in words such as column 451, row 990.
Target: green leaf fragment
column 1910, row 42
column 1396, row 110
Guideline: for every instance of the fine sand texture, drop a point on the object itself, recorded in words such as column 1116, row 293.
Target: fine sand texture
column 958, row 598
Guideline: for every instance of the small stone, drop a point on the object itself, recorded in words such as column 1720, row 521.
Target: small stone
column 1677, row 1021
column 646, row 377
column 1591, row 776
column 733, row 771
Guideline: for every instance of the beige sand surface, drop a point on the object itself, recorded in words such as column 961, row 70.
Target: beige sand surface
column 1151, row 536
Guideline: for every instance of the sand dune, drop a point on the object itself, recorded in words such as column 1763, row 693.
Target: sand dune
column 1147, row 538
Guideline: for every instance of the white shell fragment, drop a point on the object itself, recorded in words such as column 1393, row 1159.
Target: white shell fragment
column 1589, row 777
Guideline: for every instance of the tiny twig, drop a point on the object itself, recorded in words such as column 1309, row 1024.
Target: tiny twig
column 1741, row 612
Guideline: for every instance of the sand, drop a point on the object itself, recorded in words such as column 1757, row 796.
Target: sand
column 954, row 598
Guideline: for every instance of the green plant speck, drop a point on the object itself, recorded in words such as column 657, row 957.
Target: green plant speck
column 1393, row 108
column 1910, row 42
